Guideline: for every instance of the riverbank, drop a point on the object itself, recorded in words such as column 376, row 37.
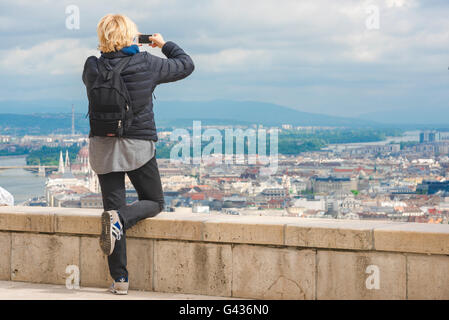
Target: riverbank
column 406, row 137
column 13, row 156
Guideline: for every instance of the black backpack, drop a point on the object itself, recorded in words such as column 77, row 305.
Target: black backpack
column 110, row 110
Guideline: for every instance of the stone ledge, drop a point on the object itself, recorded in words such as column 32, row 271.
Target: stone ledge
column 232, row 256
column 413, row 237
column 261, row 230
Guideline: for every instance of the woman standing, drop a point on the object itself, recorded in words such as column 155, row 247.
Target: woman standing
column 131, row 152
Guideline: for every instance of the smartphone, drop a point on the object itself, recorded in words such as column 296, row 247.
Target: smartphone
column 143, row 38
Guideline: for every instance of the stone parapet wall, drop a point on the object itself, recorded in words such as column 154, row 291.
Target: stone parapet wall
column 233, row 256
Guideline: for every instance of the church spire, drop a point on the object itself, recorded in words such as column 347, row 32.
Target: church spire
column 67, row 160
column 61, row 163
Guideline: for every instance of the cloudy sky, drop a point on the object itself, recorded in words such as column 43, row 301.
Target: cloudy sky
column 322, row 56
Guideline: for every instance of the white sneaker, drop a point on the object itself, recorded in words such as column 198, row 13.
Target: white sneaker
column 111, row 230
column 119, row 286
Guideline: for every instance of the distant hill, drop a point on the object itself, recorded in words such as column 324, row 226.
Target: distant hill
column 37, row 124
column 182, row 113
column 42, row 106
column 250, row 112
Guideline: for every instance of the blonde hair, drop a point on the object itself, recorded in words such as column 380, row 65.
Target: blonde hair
column 115, row 31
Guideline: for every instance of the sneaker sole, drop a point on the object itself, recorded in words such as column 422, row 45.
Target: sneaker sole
column 105, row 237
column 114, row 291
column 120, row 292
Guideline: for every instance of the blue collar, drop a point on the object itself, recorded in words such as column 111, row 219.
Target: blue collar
column 131, row 50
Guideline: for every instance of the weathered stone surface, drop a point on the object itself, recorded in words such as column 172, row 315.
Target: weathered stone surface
column 140, row 263
column 333, row 234
column 254, row 230
column 38, row 219
column 271, row 273
column 43, row 258
column 5, row 255
column 428, row 277
column 94, row 271
column 242, row 256
column 35, row 221
column 413, row 237
column 169, row 226
column 353, row 275
column 87, row 222
column 192, row 268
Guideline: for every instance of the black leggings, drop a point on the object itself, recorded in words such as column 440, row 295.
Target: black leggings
column 147, row 182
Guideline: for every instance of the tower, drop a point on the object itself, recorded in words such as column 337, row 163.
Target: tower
column 61, row 163
column 67, row 160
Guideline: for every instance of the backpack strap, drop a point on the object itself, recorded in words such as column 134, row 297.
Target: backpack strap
column 106, row 70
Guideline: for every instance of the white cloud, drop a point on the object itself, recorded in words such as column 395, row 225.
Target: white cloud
column 55, row 57
column 253, row 48
column 232, row 60
column 401, row 3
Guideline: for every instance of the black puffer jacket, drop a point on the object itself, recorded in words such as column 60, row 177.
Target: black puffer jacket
column 142, row 74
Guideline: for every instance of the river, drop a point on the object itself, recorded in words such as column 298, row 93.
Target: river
column 22, row 184
column 407, row 136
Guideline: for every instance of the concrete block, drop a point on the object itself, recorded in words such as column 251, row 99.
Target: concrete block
column 360, row 275
column 26, row 221
column 251, row 230
column 273, row 273
column 36, row 219
column 86, row 222
column 334, row 234
column 428, row 277
column 94, row 271
column 185, row 267
column 140, row 263
column 43, row 258
column 5, row 256
column 413, row 237
column 169, row 226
